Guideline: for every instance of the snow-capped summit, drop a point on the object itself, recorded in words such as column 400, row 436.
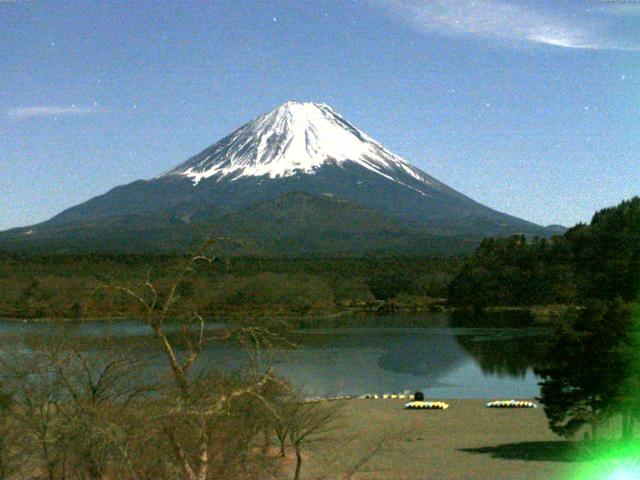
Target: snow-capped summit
column 300, row 179
column 296, row 137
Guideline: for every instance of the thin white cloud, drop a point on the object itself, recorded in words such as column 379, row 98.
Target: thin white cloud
column 509, row 21
column 51, row 111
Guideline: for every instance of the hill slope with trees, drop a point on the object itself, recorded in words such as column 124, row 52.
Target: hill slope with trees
column 596, row 261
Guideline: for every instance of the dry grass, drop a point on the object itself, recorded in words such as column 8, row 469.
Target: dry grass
column 380, row 440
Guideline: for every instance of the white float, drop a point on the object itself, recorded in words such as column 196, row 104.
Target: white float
column 511, row 404
column 420, row 405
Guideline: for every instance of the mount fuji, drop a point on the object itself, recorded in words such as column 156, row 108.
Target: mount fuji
column 297, row 180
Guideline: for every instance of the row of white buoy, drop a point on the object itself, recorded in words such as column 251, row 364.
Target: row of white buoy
column 328, row 399
column 367, row 396
column 511, row 404
column 422, row 405
column 386, row 396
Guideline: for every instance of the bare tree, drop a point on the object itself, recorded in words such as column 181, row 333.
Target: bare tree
column 83, row 413
column 201, row 406
column 68, row 405
column 98, row 391
column 39, row 393
column 281, row 429
column 10, row 458
column 309, row 423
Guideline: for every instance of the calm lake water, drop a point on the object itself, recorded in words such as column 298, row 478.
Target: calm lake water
column 445, row 358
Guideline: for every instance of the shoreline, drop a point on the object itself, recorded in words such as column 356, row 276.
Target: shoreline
column 410, row 396
column 541, row 314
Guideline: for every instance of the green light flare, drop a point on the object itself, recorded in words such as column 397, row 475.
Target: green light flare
column 625, row 473
column 612, row 461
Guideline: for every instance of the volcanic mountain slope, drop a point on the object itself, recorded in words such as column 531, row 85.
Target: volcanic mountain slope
column 291, row 224
column 298, row 147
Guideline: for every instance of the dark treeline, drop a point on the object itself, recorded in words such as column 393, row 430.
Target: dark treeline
column 61, row 286
column 596, row 261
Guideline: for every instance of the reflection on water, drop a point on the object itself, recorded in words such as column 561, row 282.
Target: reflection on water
column 446, row 357
column 428, row 356
column 522, row 350
column 512, row 358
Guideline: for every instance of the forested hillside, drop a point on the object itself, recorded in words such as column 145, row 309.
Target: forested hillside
column 596, row 261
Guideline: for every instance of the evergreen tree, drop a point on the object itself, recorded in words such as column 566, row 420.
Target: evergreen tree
column 587, row 367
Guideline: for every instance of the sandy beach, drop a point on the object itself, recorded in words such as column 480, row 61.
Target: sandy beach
column 378, row 439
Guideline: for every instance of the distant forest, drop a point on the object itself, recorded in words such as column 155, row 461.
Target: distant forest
column 62, row 286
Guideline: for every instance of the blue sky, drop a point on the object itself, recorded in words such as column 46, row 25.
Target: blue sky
column 532, row 108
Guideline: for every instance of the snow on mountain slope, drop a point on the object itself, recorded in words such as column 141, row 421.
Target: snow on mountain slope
column 296, row 138
column 260, row 177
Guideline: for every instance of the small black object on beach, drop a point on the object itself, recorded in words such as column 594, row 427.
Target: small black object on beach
column 418, row 396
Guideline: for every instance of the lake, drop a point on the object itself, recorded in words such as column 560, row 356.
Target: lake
column 444, row 358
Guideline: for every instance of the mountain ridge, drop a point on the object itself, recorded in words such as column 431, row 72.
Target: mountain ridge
column 297, row 147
